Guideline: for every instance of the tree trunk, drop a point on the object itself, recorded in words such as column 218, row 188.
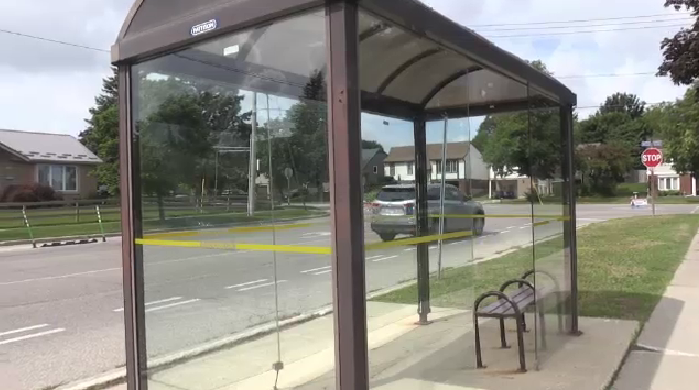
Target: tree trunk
column 161, row 207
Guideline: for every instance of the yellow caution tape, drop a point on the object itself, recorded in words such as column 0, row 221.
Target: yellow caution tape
column 314, row 250
column 318, row 250
column 416, row 240
column 245, row 229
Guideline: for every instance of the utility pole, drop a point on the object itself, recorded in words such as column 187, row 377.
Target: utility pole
column 253, row 158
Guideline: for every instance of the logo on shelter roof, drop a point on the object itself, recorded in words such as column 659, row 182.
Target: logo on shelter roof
column 204, row 27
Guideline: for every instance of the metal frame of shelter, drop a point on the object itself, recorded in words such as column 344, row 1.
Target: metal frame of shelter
column 155, row 28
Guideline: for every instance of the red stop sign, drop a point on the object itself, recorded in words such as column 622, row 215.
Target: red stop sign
column 652, row 157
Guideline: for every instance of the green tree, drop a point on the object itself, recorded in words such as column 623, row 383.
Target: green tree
column 679, row 130
column 102, row 133
column 371, row 144
column 626, row 103
column 527, row 143
column 681, row 52
column 602, row 166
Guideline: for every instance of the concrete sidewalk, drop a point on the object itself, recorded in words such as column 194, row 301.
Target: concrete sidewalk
column 666, row 355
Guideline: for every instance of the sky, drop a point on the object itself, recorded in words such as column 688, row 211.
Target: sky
column 49, row 87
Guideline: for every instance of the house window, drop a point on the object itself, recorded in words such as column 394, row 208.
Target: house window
column 59, row 177
column 669, row 184
column 411, row 168
column 392, row 167
column 376, row 169
column 452, row 166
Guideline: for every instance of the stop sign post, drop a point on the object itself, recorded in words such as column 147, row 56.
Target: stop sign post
column 652, row 158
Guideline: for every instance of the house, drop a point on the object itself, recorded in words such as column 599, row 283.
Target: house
column 56, row 160
column 373, row 166
column 513, row 185
column 668, row 179
column 464, row 166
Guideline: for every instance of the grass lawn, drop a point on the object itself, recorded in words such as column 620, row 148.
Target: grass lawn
column 624, row 266
column 175, row 221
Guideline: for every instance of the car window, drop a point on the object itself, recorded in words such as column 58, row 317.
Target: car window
column 433, row 193
column 396, row 194
column 453, row 194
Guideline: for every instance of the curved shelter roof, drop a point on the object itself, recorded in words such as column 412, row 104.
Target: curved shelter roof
column 412, row 59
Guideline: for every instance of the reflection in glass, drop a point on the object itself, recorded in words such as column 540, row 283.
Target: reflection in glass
column 230, row 144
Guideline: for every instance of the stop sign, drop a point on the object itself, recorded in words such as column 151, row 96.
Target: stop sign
column 652, row 157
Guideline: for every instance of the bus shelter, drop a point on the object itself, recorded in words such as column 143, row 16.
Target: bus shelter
column 243, row 125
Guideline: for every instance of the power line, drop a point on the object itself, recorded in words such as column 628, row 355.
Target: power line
column 578, row 20
column 684, row 19
column 52, row 40
column 604, row 75
column 622, row 105
column 581, row 32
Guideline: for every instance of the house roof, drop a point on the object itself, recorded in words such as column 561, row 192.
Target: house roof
column 368, row 154
column 38, row 147
column 455, row 150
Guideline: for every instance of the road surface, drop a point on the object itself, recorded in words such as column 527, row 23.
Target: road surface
column 61, row 309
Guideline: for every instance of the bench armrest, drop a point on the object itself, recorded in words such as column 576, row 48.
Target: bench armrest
column 501, row 295
column 520, row 282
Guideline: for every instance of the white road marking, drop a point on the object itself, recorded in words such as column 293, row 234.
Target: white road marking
column 153, row 303
column 245, row 284
column 524, row 227
column 374, row 257
column 60, row 276
column 169, row 305
column 456, row 243
column 510, row 227
column 314, row 270
column 31, row 336
column 261, row 286
column 385, row 258
column 504, row 231
column 434, row 247
column 322, row 272
column 409, row 249
column 695, row 210
column 66, row 276
column 25, row 329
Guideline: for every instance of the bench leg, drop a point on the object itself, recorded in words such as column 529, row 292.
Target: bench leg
column 524, row 324
column 503, row 340
column 520, row 342
column 542, row 325
column 476, row 331
column 559, row 312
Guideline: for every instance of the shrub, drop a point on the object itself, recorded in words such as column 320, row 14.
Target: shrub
column 29, row 193
column 669, row 193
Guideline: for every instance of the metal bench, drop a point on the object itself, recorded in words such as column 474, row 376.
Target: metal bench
column 513, row 304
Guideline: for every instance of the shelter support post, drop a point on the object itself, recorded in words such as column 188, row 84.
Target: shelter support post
column 421, row 178
column 347, row 209
column 134, row 310
column 568, row 155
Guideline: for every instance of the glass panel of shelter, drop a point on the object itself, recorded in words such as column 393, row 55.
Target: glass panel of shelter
column 230, row 151
column 463, row 240
column 548, row 169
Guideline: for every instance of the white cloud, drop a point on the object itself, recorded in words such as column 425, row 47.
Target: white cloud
column 49, row 87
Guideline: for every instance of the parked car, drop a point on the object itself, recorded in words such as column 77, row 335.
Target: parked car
column 505, row 195
column 393, row 211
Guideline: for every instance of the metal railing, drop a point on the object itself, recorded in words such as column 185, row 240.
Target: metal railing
column 98, row 218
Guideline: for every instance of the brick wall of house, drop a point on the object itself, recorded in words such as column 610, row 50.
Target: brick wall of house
column 686, row 184
column 14, row 171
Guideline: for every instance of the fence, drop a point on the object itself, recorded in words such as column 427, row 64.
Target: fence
column 98, row 218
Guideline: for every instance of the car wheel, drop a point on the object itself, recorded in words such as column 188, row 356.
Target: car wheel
column 478, row 224
column 387, row 237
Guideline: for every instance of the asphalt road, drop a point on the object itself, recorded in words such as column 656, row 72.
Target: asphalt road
column 61, row 316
